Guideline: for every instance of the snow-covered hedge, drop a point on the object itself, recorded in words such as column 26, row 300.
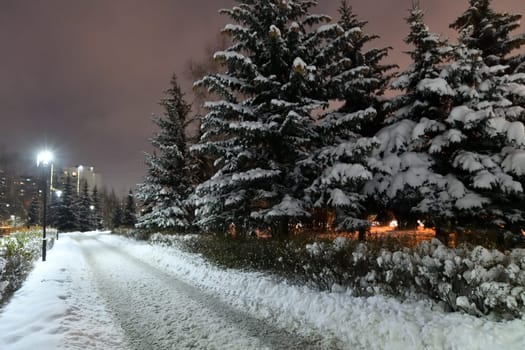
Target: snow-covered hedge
column 471, row 279
column 474, row 280
column 17, row 254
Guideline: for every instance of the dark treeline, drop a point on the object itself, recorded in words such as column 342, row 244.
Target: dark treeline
column 88, row 210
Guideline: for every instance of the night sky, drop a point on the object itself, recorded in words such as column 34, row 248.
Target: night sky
column 84, row 76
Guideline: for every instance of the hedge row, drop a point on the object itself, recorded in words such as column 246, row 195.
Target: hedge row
column 471, row 279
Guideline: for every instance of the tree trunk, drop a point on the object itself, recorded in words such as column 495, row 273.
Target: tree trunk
column 362, row 235
column 283, row 229
column 442, row 235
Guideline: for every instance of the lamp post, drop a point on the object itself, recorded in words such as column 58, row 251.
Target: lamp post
column 91, row 216
column 58, row 193
column 79, row 170
column 44, row 158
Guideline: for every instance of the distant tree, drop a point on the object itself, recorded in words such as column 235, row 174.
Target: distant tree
column 129, row 218
column 110, row 202
column 166, row 187
column 66, row 209
column 33, row 214
column 83, row 213
column 117, row 216
column 96, row 213
column 52, row 213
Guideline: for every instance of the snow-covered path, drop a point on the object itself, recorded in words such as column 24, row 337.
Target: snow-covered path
column 58, row 307
column 92, row 295
column 158, row 311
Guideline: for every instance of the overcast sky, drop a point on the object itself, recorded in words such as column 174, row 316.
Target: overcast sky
column 84, row 76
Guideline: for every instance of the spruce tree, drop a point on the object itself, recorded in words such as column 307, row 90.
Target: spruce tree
column 96, row 214
column 489, row 128
column 33, row 214
column 167, row 186
column 129, row 214
column 66, row 209
column 354, row 76
column 117, row 216
column 482, row 28
column 109, row 204
column 405, row 171
column 52, row 213
column 83, row 210
column 484, row 136
column 261, row 126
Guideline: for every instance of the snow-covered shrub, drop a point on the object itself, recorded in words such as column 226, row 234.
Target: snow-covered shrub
column 3, row 284
column 470, row 279
column 474, row 280
column 171, row 240
column 138, row 234
column 17, row 254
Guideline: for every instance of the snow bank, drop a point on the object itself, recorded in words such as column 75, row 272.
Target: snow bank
column 57, row 307
column 359, row 322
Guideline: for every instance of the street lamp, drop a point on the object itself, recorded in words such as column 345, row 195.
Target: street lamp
column 44, row 158
column 79, row 170
column 92, row 216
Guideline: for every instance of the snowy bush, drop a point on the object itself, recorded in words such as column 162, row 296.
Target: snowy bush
column 474, row 280
column 139, row 234
column 171, row 240
column 17, row 254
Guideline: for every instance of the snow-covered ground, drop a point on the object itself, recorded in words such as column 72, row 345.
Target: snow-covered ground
column 358, row 323
column 94, row 288
column 58, row 307
column 93, row 295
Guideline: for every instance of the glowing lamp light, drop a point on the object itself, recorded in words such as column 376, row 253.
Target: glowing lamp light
column 44, row 158
column 393, row 224
column 91, row 207
column 59, row 193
